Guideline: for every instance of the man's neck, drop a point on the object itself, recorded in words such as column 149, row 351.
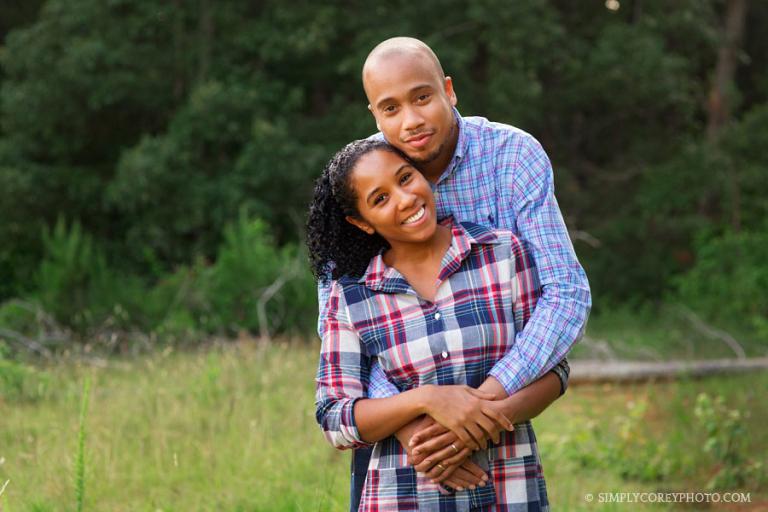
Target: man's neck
column 434, row 169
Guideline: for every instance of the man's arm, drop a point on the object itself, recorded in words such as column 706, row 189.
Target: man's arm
column 561, row 311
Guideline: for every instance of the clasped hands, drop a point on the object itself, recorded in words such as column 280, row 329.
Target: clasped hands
column 459, row 420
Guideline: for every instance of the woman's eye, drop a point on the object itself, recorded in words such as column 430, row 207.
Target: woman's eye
column 405, row 178
column 379, row 198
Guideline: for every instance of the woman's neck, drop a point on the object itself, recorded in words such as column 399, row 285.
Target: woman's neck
column 411, row 254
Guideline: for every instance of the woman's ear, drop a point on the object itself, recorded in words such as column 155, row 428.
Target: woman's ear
column 360, row 224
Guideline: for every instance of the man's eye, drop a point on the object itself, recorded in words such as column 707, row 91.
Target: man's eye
column 423, row 97
column 389, row 109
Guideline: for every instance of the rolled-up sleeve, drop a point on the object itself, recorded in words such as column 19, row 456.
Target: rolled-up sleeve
column 342, row 375
column 529, row 357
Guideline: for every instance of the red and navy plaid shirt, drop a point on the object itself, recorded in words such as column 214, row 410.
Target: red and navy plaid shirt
column 487, row 292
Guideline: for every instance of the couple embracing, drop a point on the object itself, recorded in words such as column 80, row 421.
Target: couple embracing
column 449, row 297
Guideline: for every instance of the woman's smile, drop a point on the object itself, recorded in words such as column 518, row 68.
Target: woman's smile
column 416, row 217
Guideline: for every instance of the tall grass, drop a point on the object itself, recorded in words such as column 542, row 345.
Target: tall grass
column 80, row 460
column 233, row 429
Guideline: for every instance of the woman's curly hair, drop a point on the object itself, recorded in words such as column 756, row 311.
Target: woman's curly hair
column 336, row 247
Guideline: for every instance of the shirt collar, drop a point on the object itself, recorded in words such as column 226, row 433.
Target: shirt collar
column 381, row 277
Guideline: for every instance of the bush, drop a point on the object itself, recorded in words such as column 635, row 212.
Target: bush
column 78, row 288
column 19, row 382
column 729, row 278
column 726, row 442
column 252, row 273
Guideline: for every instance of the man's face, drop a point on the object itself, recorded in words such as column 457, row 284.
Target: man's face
column 412, row 105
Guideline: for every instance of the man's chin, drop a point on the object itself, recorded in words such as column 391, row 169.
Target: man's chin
column 429, row 158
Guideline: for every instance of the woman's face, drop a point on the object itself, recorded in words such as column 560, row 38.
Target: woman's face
column 393, row 199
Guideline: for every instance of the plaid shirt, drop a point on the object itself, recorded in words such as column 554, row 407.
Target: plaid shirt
column 500, row 177
column 487, row 293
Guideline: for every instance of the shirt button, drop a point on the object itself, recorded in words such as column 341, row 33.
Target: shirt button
column 445, row 354
column 437, row 316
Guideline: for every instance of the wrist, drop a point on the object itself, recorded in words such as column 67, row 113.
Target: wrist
column 425, row 400
column 511, row 409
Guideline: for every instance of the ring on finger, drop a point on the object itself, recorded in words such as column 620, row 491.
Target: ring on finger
column 442, row 468
column 453, row 445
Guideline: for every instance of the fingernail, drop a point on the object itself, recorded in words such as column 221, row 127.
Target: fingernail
column 459, row 488
column 472, row 487
column 482, row 484
column 511, row 427
column 485, row 477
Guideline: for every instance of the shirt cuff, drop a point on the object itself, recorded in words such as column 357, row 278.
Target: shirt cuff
column 511, row 373
column 340, row 427
column 563, row 372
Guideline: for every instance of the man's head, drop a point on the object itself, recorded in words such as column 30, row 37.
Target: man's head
column 412, row 101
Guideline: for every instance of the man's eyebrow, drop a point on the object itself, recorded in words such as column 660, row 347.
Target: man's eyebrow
column 398, row 171
column 383, row 102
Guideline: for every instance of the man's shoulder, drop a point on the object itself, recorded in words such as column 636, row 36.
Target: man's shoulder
column 485, row 130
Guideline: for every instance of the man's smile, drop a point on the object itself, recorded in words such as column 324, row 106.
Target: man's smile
column 420, row 140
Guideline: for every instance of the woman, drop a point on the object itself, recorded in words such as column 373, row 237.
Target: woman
column 437, row 305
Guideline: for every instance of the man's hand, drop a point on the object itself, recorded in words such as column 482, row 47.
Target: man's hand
column 469, row 413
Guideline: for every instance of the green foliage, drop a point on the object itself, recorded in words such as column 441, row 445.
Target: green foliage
column 726, row 443
column 247, row 270
column 249, row 275
column 71, row 270
column 20, row 382
column 154, row 123
column 623, row 445
column 76, row 285
column 729, row 279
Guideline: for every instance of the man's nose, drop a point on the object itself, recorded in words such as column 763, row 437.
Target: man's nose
column 412, row 119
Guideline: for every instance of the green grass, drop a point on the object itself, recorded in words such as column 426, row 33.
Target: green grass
column 233, row 429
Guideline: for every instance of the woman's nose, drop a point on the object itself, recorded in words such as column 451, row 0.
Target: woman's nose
column 406, row 200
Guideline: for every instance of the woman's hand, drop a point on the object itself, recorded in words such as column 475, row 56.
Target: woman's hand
column 467, row 476
column 468, row 413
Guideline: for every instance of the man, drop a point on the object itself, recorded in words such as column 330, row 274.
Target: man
column 483, row 172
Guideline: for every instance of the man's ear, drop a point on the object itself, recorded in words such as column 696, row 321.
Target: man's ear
column 370, row 109
column 360, row 224
column 450, row 92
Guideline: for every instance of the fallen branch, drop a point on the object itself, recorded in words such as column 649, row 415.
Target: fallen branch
column 583, row 372
column 26, row 343
column 712, row 332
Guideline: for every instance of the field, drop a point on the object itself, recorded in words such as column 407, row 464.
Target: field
column 232, row 428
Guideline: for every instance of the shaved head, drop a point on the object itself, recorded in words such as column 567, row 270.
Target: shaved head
column 413, row 102
column 399, row 47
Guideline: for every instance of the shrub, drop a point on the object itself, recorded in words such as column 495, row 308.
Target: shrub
column 726, row 442
column 252, row 273
column 729, row 278
column 18, row 381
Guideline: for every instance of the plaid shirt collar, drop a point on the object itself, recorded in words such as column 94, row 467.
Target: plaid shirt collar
column 381, row 277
